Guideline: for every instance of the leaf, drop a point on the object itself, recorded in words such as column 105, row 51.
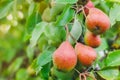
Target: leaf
column 56, row 10
column 66, row 1
column 15, row 65
column 44, row 58
column 55, row 34
column 4, row 9
column 109, row 74
column 113, row 59
column 5, row 56
column 30, row 53
column 33, row 18
column 21, row 73
column 38, row 30
column 114, row 14
column 31, row 9
column 76, row 31
column 66, row 16
column 115, row 1
column 43, row 42
column 61, row 75
column 104, row 6
column 92, row 75
column 118, row 78
column 45, row 71
column 103, row 45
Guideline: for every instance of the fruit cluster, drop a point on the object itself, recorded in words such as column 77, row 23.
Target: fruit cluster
column 97, row 22
column 65, row 57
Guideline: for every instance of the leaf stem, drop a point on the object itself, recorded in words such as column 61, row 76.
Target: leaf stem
column 67, row 32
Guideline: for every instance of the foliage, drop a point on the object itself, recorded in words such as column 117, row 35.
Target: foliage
column 28, row 39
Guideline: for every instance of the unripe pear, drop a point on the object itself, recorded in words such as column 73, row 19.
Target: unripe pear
column 65, row 58
column 97, row 21
column 92, row 39
column 86, row 54
column 88, row 6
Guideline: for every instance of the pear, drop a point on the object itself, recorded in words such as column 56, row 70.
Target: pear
column 88, row 6
column 97, row 21
column 65, row 58
column 92, row 39
column 86, row 54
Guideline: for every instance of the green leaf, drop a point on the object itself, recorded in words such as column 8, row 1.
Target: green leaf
column 15, row 65
column 104, row 6
column 103, row 45
column 109, row 74
column 115, row 1
column 38, row 30
column 31, row 9
column 66, row 16
column 4, row 56
column 61, row 75
column 56, row 10
column 30, row 52
column 33, row 18
column 44, row 73
column 76, row 31
column 43, row 42
column 66, row 1
column 114, row 14
column 21, row 73
column 44, row 58
column 4, row 9
column 91, row 74
column 118, row 78
column 113, row 59
column 55, row 34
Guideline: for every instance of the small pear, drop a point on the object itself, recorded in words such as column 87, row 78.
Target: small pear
column 88, row 6
column 92, row 39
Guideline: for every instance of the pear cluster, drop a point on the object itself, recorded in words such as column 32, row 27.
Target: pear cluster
column 65, row 57
column 97, row 23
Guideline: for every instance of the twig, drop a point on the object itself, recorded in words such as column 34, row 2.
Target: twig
column 67, row 32
column 82, row 75
column 82, row 7
column 90, row 76
column 76, row 70
column 88, row 69
column 72, row 37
